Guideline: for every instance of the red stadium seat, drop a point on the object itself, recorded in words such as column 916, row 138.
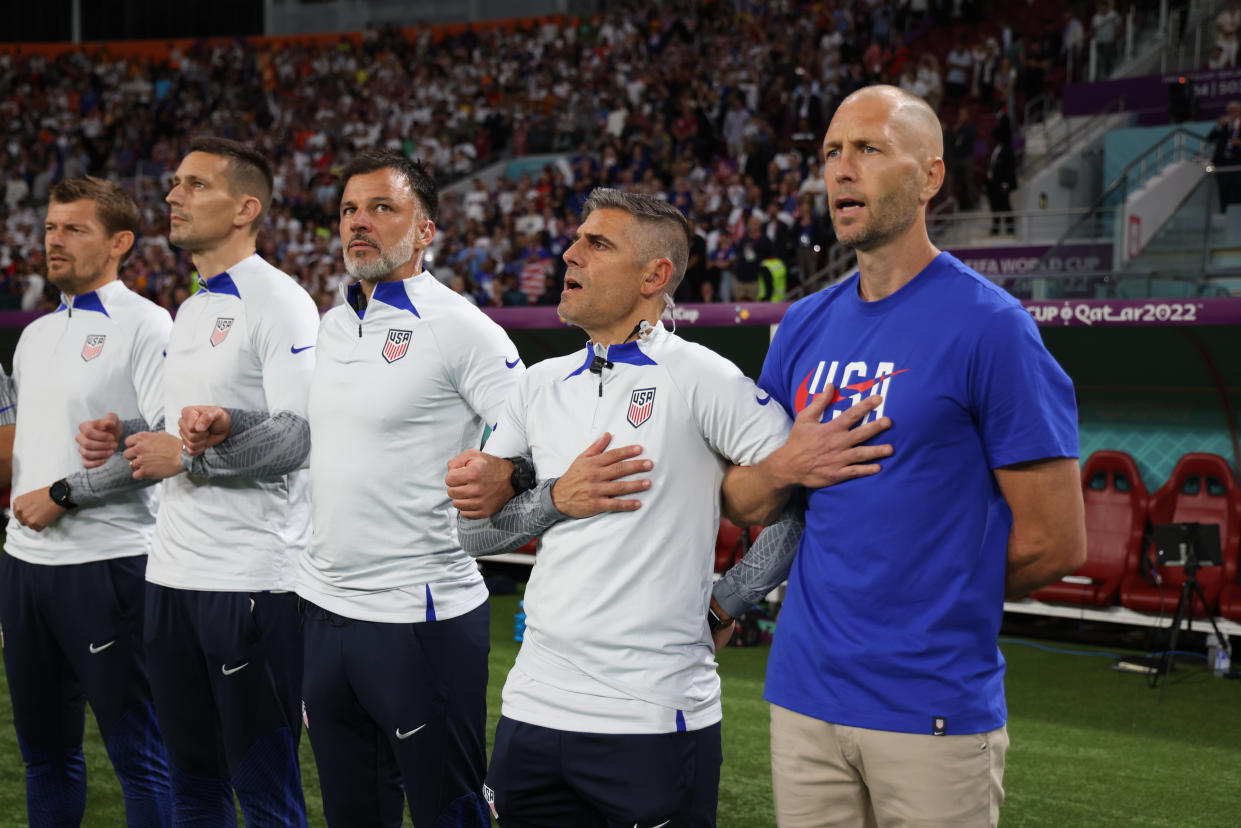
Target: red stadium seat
column 1201, row 489
column 728, row 548
column 530, row 547
column 1116, row 504
column 1230, row 599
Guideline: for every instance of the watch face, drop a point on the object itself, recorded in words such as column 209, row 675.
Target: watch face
column 59, row 492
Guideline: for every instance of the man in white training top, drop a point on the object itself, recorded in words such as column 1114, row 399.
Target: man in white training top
column 612, row 712
column 222, row 636
column 71, row 578
column 397, row 624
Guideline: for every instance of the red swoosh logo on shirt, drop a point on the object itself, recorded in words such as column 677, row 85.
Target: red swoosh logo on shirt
column 803, row 396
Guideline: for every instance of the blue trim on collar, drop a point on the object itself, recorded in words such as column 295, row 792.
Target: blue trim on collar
column 590, row 356
column 394, row 295
column 87, row 301
column 221, row 283
column 628, row 352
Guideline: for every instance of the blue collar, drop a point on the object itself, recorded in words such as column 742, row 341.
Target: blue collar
column 220, row 283
column 628, row 353
column 392, row 294
column 86, row 301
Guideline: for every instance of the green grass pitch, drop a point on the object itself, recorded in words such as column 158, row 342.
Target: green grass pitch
column 1090, row 746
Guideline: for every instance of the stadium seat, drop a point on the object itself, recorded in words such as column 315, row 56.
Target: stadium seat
column 728, row 544
column 1230, row 596
column 1116, row 506
column 530, row 547
column 1201, row 489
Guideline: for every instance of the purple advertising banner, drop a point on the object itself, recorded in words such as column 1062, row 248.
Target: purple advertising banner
column 716, row 314
column 1017, row 260
column 1100, row 312
column 1211, row 89
column 1059, row 312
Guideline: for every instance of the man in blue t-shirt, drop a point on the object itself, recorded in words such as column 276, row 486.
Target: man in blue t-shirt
column 886, row 681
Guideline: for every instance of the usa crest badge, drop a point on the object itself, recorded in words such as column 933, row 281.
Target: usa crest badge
column 397, row 344
column 223, row 325
column 641, row 403
column 93, row 346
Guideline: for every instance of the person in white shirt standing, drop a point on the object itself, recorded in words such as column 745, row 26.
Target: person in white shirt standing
column 222, row 627
column 612, row 712
column 71, row 578
column 396, row 634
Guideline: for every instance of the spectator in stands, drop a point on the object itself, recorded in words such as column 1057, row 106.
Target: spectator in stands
column 1001, row 181
column 720, row 267
column 929, row 79
column 1226, row 25
column 1105, row 31
column 1073, row 43
column 960, row 66
column 1226, row 136
column 1006, row 86
column 697, row 285
column 752, row 249
column 959, row 158
column 510, row 296
column 1038, row 61
column 885, row 679
column 986, row 56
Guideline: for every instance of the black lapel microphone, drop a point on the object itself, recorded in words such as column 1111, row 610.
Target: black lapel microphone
column 600, row 362
column 596, row 367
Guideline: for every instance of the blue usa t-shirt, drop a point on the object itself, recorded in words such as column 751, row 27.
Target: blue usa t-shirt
column 896, row 595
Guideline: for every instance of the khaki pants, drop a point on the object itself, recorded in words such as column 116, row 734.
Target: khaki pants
column 827, row 775
column 745, row 291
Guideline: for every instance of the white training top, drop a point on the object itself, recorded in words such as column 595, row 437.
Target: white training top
column 398, row 391
column 99, row 352
column 244, row 341
column 616, row 608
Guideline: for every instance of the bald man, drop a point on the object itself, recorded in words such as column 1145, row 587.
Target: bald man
column 885, row 679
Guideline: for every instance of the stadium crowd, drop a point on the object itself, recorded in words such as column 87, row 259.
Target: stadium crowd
column 626, row 98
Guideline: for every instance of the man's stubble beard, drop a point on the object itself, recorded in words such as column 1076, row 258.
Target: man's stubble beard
column 388, row 260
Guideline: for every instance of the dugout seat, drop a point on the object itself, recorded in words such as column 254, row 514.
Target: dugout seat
column 1230, row 598
column 1116, row 506
column 729, row 544
column 1201, row 489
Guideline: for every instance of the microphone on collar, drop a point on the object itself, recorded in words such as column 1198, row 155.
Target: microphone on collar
column 599, row 363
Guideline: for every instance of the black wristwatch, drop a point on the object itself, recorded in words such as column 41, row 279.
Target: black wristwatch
column 523, row 475
column 715, row 622
column 59, row 492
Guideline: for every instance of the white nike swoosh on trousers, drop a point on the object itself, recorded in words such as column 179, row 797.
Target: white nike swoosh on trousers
column 226, row 671
column 101, row 647
column 401, row 735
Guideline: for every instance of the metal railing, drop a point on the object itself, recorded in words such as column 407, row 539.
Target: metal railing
column 1100, row 222
column 1071, row 132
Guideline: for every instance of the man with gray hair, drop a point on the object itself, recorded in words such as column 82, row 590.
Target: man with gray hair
column 612, row 711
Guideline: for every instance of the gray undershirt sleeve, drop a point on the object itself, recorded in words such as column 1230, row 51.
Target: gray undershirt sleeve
column 136, row 426
column 526, row 516
column 258, row 445
column 766, row 565
column 8, row 400
column 90, row 487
